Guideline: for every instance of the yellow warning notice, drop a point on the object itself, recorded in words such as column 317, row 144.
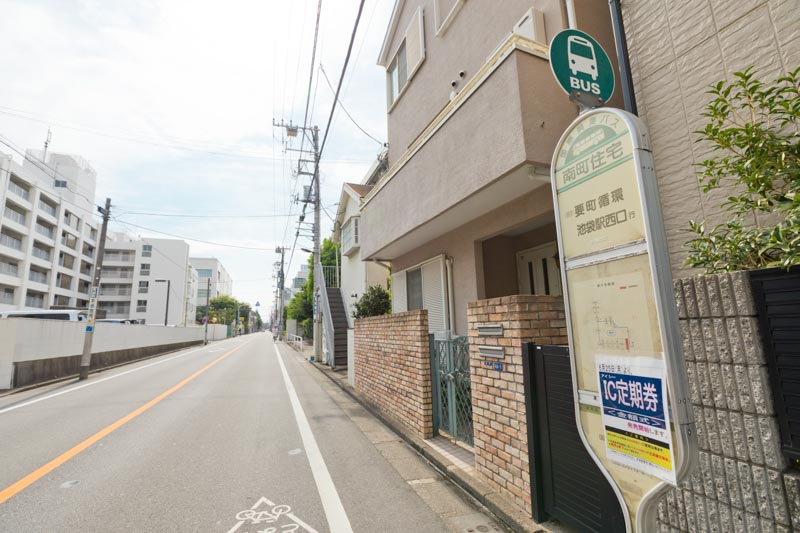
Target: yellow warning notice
column 639, row 447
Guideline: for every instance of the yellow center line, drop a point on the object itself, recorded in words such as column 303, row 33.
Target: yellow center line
column 17, row 487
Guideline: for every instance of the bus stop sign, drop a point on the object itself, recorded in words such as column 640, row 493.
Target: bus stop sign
column 581, row 67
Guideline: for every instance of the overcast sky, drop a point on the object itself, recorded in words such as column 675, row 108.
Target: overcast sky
column 172, row 101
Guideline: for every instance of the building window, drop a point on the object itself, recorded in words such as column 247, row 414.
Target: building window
column 397, row 74
column 203, row 272
column 144, row 286
column 147, row 250
column 61, row 184
column 202, row 293
column 414, row 289
column 141, row 306
column 350, row 241
column 145, row 269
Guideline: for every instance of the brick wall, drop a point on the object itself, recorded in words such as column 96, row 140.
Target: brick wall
column 393, row 367
column 498, row 398
column 743, row 483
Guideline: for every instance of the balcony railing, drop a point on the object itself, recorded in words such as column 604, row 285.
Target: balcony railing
column 116, row 309
column 47, row 208
column 64, row 283
column 17, row 217
column 7, row 297
column 9, row 270
column 44, row 230
column 141, row 308
column 34, row 301
column 83, row 289
column 11, row 242
column 122, row 258
column 115, row 292
column 123, row 274
column 38, row 277
column 69, row 241
column 67, row 262
column 19, row 191
column 41, row 254
column 88, row 252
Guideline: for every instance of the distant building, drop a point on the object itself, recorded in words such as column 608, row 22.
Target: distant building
column 210, row 268
column 48, row 231
column 131, row 284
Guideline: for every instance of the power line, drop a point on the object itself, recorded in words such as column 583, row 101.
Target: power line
column 158, row 144
column 346, row 112
column 193, row 239
column 341, row 77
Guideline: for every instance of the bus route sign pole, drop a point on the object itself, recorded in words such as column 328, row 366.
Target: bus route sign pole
column 632, row 404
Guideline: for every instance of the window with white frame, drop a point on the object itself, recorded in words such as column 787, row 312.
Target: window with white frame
column 144, row 270
column 424, row 286
column 141, row 306
column 407, row 58
column 144, row 286
column 147, row 250
column 350, row 239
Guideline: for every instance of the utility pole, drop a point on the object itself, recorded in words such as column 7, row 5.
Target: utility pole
column 86, row 357
column 208, row 315
column 315, row 197
column 279, row 300
column 317, row 257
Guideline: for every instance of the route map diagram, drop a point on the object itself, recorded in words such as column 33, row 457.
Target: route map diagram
column 612, row 313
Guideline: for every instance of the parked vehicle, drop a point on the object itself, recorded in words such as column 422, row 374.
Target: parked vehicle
column 72, row 315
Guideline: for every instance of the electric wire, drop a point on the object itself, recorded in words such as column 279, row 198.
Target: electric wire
column 225, row 245
column 341, row 77
column 346, row 112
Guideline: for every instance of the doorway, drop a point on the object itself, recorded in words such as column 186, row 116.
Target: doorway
column 538, row 272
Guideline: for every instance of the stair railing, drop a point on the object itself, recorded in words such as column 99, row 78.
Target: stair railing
column 321, row 279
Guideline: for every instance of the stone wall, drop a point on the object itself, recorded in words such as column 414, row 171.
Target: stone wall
column 498, row 398
column 743, row 483
column 393, row 367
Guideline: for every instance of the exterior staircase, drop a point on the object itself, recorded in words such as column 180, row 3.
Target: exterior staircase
column 340, row 325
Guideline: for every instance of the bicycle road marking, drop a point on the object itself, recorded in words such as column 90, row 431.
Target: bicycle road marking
column 254, row 517
column 331, row 503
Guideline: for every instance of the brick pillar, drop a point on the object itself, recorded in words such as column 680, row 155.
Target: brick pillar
column 498, row 398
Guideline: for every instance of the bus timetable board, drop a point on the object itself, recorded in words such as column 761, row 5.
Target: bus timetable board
column 632, row 402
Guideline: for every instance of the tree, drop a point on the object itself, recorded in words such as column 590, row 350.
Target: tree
column 374, row 302
column 753, row 130
column 301, row 306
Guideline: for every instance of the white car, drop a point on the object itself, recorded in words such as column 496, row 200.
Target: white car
column 580, row 53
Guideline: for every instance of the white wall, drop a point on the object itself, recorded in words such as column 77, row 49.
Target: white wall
column 25, row 339
column 217, row 332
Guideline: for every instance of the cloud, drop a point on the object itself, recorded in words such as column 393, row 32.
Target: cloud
column 209, row 77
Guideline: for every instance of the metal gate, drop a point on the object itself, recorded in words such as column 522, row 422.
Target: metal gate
column 565, row 482
column 452, row 390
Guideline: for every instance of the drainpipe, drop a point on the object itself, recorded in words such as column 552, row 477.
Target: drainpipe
column 628, row 95
column 570, row 6
column 450, row 298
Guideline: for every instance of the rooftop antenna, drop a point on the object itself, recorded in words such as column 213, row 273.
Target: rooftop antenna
column 46, row 144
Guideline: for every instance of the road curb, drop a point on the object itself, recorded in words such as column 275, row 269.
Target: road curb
column 510, row 516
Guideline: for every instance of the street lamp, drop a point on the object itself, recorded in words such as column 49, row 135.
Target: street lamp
column 166, row 311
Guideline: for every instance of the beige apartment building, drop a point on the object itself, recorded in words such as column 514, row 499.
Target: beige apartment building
column 465, row 210
column 464, row 214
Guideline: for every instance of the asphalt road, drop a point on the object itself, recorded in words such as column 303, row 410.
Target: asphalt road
column 228, row 437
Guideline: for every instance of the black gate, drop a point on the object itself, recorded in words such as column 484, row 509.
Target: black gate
column 452, row 389
column 566, row 484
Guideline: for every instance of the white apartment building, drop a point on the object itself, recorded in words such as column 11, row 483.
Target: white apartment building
column 137, row 274
column 48, row 231
column 210, row 268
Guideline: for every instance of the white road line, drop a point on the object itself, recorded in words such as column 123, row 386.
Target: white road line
column 334, row 510
column 89, row 384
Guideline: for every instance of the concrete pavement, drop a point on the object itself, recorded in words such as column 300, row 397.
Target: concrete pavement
column 208, row 439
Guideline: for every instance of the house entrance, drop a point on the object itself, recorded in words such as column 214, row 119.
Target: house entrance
column 452, row 390
column 566, row 484
column 537, row 271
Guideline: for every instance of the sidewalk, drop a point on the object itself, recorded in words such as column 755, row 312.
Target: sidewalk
column 455, row 462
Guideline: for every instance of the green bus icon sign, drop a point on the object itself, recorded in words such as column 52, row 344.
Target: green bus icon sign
column 581, row 67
